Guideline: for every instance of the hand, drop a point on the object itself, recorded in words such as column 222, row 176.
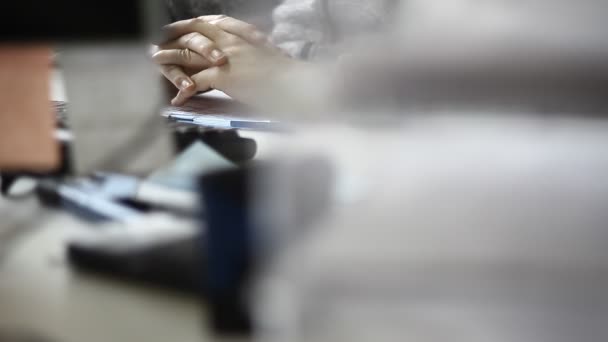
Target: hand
column 182, row 56
column 251, row 61
column 186, row 56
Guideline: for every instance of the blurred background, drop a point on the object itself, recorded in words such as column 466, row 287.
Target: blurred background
column 430, row 171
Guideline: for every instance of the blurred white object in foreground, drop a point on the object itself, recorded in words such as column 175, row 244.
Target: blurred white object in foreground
column 461, row 229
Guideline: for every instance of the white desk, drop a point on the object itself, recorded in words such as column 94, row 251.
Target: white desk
column 41, row 294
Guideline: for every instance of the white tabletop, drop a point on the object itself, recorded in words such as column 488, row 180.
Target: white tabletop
column 41, row 294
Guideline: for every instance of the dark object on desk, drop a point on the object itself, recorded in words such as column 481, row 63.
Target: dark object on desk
column 229, row 249
column 227, row 143
column 241, row 238
column 175, row 264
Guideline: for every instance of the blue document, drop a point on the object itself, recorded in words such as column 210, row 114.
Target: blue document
column 216, row 110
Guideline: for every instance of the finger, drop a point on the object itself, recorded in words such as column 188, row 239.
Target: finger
column 203, row 46
column 241, row 29
column 248, row 32
column 212, row 17
column 182, row 57
column 183, row 96
column 205, row 80
column 178, row 77
column 152, row 49
column 200, row 45
column 181, row 28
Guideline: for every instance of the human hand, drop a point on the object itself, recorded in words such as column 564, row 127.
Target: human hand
column 179, row 57
column 247, row 63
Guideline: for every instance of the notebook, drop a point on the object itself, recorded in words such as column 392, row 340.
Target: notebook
column 217, row 110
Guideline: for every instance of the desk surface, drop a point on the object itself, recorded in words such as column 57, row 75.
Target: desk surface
column 39, row 293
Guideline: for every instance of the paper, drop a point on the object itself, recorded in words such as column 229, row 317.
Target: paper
column 217, row 110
